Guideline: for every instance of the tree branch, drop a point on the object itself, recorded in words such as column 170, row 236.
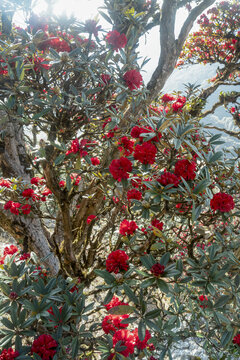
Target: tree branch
column 171, row 48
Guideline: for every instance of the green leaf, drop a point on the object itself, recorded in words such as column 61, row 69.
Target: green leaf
column 141, row 330
column 59, row 159
column 163, row 286
column 146, row 283
column 152, row 314
column 165, row 259
column 109, row 278
column 121, row 310
column 226, row 338
column 75, row 346
column 201, row 186
column 222, row 301
column 215, row 157
column 105, row 16
column 130, row 294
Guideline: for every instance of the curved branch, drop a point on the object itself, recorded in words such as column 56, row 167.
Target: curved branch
column 171, row 48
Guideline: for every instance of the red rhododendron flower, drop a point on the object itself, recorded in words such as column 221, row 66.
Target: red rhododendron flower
column 138, row 130
column 105, row 78
column 25, row 256
column 9, row 354
column 114, row 302
column 203, row 300
column 117, row 261
column 141, row 344
column 13, row 207
column 26, row 209
column 157, row 224
column 62, row 183
column 167, row 97
column 125, row 145
column 134, row 194
column 186, row 169
column 37, row 180
column 145, row 153
column 236, row 340
column 5, row 183
column 133, row 79
column 116, row 39
column 157, row 269
column 8, row 250
column 168, row 178
column 46, row 192
column 90, row 218
column 95, row 161
column 119, row 168
column 127, row 339
column 179, row 103
column 127, row 227
column 76, row 178
column 44, row 346
column 113, row 323
column 222, row 202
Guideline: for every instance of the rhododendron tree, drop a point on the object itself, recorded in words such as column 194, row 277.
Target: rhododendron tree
column 120, row 191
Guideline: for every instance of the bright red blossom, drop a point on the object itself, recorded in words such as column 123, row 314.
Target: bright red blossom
column 26, row 209
column 134, row 194
column 113, row 323
column 186, row 169
column 127, row 339
column 5, row 183
column 157, row 224
column 168, row 178
column 145, row 153
column 141, row 344
column 157, row 269
column 116, row 39
column 44, row 346
column 222, row 202
column 168, row 97
column 127, row 227
column 119, row 168
column 114, row 302
column 203, row 299
column 90, row 218
column 9, row 354
column 133, row 79
column 95, row 161
column 13, row 207
column 125, row 145
column 117, row 261
column 236, row 340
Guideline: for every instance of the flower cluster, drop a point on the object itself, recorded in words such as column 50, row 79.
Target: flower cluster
column 157, row 269
column 117, row 40
column 222, row 202
column 9, row 354
column 112, row 323
column 119, row 168
column 44, row 346
column 134, row 194
column 236, row 339
column 117, row 261
column 145, row 153
column 203, row 299
column 168, row 178
column 185, row 169
column 127, row 227
column 133, row 79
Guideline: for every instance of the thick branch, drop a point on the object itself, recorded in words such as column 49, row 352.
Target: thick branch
column 171, row 48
